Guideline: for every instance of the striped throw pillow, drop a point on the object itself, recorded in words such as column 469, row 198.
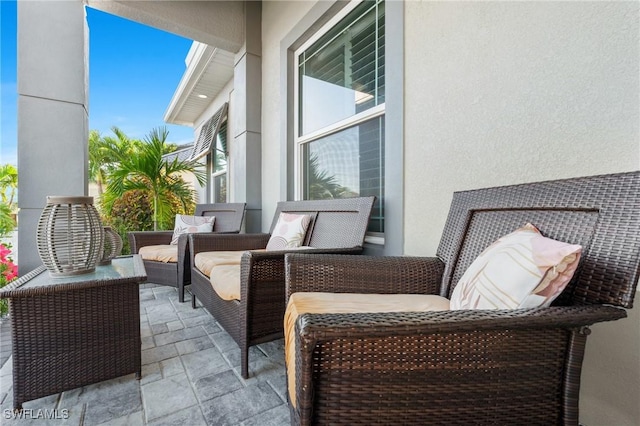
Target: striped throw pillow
column 520, row 270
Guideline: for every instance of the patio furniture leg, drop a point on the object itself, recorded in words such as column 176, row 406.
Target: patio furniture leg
column 244, row 355
column 181, row 293
column 193, row 300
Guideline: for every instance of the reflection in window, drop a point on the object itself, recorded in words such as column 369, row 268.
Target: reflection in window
column 347, row 164
column 340, row 104
column 342, row 73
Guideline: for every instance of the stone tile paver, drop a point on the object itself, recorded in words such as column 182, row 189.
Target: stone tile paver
column 190, row 376
column 194, row 345
column 178, row 335
column 167, row 396
column 235, row 407
column 215, row 385
column 188, row 417
column 204, row 363
column 158, row 353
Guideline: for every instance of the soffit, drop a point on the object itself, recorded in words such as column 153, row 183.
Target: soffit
column 209, row 69
column 216, row 23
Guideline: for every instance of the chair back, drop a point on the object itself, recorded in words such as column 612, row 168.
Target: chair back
column 335, row 223
column 229, row 216
column 601, row 213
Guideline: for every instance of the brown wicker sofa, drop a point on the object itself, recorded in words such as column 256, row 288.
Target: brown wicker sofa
column 337, row 226
column 517, row 366
column 229, row 218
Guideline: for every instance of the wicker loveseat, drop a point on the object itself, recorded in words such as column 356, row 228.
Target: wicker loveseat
column 517, row 366
column 337, row 226
column 178, row 274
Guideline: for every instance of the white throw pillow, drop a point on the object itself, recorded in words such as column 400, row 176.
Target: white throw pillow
column 191, row 224
column 289, row 231
column 520, row 270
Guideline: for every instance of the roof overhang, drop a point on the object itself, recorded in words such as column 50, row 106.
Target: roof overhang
column 209, row 69
column 217, row 23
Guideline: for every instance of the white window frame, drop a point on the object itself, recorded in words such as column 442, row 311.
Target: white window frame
column 300, row 141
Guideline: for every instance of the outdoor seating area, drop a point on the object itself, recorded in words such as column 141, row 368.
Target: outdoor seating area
column 320, row 212
column 441, row 366
column 253, row 313
column 167, row 261
column 367, row 339
column 190, row 376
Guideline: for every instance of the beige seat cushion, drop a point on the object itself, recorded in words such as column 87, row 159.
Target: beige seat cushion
column 347, row 303
column 208, row 260
column 223, row 270
column 225, row 280
column 161, row 253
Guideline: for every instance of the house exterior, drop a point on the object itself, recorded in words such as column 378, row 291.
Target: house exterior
column 450, row 96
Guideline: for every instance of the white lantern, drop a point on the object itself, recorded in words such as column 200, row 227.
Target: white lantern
column 70, row 236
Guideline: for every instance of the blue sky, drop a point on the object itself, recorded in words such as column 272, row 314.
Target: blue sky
column 133, row 72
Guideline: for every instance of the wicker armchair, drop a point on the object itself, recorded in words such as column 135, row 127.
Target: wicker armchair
column 337, row 226
column 228, row 220
column 470, row 366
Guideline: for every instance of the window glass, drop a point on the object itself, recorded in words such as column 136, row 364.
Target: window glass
column 220, row 188
column 219, row 169
column 342, row 73
column 220, row 153
column 347, row 164
column 341, row 108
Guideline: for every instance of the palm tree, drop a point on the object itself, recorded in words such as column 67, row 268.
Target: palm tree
column 8, row 183
column 321, row 185
column 97, row 160
column 147, row 171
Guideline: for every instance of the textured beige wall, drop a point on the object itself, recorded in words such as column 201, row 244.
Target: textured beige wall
column 278, row 19
column 508, row 92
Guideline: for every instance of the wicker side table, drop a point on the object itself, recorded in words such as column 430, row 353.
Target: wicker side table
column 73, row 331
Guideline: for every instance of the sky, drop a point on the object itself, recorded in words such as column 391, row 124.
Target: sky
column 133, row 73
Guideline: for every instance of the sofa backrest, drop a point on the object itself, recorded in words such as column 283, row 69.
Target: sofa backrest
column 601, row 213
column 335, row 223
column 228, row 215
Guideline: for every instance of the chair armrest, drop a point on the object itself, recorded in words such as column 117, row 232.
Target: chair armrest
column 362, row 274
column 330, row 326
column 269, row 266
column 140, row 239
column 431, row 357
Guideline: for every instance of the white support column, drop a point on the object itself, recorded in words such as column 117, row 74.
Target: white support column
column 247, row 133
column 52, row 111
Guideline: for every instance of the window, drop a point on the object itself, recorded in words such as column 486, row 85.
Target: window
column 340, row 109
column 219, row 168
column 208, row 132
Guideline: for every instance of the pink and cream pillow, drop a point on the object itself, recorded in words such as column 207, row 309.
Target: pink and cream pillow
column 189, row 224
column 289, row 232
column 520, row 270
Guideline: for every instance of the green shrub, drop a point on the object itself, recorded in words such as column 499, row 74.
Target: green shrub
column 131, row 212
column 7, row 221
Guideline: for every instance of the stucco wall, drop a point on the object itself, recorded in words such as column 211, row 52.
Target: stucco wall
column 52, row 111
column 508, row 92
column 278, row 19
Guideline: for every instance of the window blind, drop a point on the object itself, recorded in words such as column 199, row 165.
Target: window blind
column 208, row 134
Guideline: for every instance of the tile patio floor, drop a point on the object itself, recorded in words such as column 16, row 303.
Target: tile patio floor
column 190, row 376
